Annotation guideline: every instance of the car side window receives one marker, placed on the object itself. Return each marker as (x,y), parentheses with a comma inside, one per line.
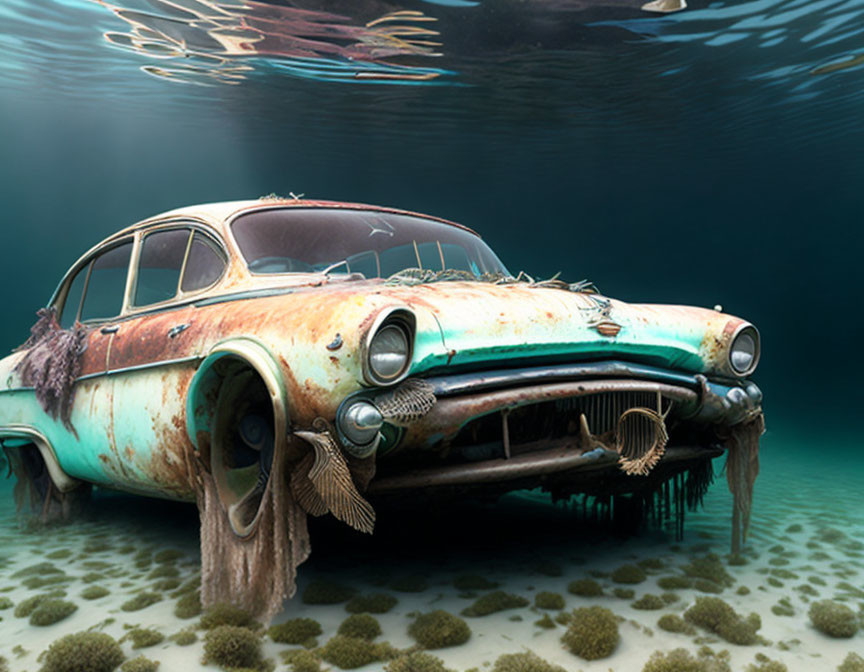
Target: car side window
(204,265)
(103,297)
(73,298)
(160,265)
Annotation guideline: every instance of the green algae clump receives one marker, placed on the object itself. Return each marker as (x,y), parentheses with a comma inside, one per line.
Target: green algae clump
(527,661)
(715,615)
(83,652)
(493,602)
(184,637)
(585,588)
(361,626)
(592,633)
(674,582)
(377,603)
(228,614)
(140,664)
(143,637)
(649,602)
(629,574)
(50,612)
(416,661)
(546,600)
(325,592)
(348,653)
(833,619)
(5,603)
(232,646)
(295,631)
(681,660)
(851,663)
(188,606)
(676,624)
(141,601)
(709,567)
(301,660)
(94,592)
(439,629)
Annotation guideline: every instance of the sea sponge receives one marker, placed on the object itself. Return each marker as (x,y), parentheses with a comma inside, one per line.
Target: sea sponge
(301,660)
(718,617)
(585,588)
(547,600)
(228,614)
(232,646)
(50,612)
(493,602)
(83,652)
(439,629)
(295,631)
(361,626)
(348,653)
(649,602)
(416,661)
(676,624)
(592,634)
(681,660)
(833,619)
(140,664)
(141,601)
(468,582)
(143,637)
(852,663)
(412,583)
(377,603)
(325,592)
(527,661)
(629,574)
(94,592)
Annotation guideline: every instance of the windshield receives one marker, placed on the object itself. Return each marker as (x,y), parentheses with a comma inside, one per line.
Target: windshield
(372,243)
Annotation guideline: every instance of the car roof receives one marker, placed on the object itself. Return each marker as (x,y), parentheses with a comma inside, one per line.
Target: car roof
(219,214)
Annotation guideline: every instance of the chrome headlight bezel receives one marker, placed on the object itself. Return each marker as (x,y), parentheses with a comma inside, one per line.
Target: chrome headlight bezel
(744,334)
(402,321)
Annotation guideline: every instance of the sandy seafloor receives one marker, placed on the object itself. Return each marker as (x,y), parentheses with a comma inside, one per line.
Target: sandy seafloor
(808,520)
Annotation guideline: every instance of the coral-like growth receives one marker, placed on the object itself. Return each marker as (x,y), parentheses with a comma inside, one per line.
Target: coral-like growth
(468,582)
(592,634)
(324,592)
(188,606)
(140,664)
(439,629)
(852,663)
(416,661)
(295,631)
(141,601)
(348,653)
(493,602)
(585,588)
(361,626)
(232,646)
(718,617)
(649,602)
(185,637)
(629,574)
(680,660)
(94,592)
(50,612)
(709,567)
(83,652)
(674,582)
(546,622)
(833,619)
(676,624)
(765,664)
(141,638)
(527,661)
(377,603)
(226,614)
(546,600)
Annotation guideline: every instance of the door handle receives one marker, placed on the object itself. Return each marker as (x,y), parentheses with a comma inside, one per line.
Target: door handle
(110,329)
(174,332)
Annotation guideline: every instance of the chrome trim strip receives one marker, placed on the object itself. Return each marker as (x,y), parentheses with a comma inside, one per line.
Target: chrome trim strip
(140,367)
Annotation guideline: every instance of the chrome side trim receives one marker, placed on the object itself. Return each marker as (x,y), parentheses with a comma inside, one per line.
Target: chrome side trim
(139,367)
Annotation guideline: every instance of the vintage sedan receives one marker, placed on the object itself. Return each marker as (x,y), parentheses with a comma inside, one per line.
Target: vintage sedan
(281,358)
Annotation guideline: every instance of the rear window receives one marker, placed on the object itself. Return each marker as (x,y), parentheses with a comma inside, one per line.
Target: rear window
(373,243)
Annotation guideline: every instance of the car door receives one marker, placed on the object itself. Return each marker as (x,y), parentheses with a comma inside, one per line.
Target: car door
(155,352)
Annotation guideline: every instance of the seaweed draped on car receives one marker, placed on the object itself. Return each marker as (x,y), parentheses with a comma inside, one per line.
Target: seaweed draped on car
(276,359)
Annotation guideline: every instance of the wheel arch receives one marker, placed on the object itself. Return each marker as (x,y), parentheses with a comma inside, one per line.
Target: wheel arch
(23,435)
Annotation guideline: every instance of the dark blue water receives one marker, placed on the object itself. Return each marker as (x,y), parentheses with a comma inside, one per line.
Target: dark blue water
(712,156)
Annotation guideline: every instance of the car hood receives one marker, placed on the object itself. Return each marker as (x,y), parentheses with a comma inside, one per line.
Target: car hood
(482,325)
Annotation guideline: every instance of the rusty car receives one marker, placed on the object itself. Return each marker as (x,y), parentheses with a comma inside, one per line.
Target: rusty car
(281,358)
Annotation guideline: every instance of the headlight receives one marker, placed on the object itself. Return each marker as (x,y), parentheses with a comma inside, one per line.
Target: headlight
(744,353)
(389,353)
(359,422)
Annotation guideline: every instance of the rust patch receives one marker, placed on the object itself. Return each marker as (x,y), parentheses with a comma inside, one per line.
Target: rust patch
(335,361)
